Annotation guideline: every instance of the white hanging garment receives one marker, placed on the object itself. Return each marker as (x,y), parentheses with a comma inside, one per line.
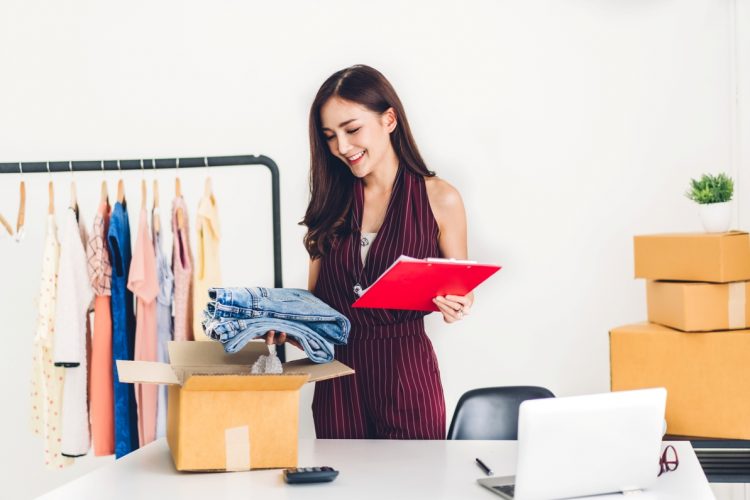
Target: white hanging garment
(72,334)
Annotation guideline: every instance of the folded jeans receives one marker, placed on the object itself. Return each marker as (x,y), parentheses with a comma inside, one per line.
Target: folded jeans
(234,316)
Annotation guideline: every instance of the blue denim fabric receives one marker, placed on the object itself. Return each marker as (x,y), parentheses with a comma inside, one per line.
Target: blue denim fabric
(234,316)
(123,331)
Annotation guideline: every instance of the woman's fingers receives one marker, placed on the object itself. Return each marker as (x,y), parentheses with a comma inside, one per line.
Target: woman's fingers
(283,337)
(279,338)
(465,302)
(453,307)
(450,313)
(453,304)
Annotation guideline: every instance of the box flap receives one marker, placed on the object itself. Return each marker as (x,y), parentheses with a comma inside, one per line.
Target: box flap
(199,353)
(185,372)
(149,372)
(245,382)
(651,328)
(317,371)
(728,234)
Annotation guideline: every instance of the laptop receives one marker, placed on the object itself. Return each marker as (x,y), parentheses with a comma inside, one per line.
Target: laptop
(585,445)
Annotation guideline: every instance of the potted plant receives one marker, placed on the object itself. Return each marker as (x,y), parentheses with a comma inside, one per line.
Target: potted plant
(713,195)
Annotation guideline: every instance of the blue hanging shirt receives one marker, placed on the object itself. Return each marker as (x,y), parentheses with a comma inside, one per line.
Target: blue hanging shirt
(123,330)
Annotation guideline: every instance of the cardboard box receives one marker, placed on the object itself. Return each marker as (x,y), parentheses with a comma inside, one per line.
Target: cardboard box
(713,257)
(699,307)
(707,376)
(220,416)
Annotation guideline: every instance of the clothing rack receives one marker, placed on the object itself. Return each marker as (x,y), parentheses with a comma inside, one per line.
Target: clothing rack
(173,163)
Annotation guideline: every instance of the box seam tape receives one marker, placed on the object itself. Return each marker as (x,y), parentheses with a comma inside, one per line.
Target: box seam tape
(736,305)
(237,448)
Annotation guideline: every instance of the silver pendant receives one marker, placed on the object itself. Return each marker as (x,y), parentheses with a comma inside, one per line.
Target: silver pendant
(358,290)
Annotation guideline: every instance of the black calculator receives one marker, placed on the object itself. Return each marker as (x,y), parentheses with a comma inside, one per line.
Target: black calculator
(301,475)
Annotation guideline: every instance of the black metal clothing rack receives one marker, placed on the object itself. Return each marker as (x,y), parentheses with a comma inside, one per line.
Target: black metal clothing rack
(173,163)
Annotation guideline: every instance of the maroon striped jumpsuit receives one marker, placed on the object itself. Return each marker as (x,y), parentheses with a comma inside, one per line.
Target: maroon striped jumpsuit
(396,392)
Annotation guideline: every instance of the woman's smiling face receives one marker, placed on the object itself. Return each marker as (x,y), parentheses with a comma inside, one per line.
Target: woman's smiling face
(356,135)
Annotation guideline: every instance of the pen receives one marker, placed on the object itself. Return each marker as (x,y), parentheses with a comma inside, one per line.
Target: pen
(483,467)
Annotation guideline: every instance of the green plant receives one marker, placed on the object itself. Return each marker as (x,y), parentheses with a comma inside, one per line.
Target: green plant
(711,189)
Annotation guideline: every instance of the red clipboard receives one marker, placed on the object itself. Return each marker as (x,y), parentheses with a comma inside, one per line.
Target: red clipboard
(411,283)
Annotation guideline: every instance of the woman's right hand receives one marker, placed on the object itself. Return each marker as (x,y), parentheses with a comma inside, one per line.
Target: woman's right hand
(278,338)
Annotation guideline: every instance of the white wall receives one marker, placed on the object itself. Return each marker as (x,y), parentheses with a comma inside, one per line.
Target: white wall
(567,126)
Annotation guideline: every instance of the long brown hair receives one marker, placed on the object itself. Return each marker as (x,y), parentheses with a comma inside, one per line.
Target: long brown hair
(331,181)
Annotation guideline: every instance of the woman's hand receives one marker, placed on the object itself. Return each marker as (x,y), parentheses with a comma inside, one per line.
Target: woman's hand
(278,338)
(454,307)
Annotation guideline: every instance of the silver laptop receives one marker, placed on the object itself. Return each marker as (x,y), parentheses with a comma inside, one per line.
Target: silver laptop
(585,445)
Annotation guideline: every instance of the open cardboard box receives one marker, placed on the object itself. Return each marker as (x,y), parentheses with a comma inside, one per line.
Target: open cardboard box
(219,415)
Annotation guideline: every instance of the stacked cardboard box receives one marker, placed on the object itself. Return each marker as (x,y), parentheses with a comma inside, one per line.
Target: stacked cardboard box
(697,341)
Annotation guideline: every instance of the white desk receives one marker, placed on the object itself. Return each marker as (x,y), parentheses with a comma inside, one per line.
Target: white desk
(368,469)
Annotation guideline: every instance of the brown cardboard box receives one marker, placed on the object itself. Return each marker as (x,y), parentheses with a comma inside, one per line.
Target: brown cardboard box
(699,307)
(707,376)
(714,257)
(219,416)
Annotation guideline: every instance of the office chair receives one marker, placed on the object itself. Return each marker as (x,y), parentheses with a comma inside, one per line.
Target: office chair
(492,412)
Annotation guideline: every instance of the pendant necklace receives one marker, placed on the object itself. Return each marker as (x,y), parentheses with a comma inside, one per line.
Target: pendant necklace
(363,242)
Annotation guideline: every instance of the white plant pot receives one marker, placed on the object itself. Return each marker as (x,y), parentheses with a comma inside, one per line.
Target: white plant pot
(716,217)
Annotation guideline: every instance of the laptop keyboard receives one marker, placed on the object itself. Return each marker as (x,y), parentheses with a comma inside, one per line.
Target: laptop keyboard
(508,489)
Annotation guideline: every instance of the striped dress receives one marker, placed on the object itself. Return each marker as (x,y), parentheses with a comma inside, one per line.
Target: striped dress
(396,392)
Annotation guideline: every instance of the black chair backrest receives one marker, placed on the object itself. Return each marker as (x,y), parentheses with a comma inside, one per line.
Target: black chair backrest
(492,412)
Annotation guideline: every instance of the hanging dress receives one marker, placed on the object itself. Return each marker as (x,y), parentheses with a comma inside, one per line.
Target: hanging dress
(396,392)
(182,270)
(163,323)
(143,283)
(102,397)
(47,379)
(123,330)
(72,334)
(207,268)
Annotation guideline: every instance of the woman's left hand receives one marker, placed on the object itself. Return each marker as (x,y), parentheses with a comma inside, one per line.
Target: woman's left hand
(454,307)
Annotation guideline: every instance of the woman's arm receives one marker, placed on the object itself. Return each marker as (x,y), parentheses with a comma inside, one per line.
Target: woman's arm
(312,276)
(450,215)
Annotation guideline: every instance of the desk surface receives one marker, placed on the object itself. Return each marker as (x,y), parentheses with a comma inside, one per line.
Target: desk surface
(368,469)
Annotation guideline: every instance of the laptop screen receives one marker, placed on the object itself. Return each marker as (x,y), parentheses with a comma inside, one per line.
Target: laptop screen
(588,445)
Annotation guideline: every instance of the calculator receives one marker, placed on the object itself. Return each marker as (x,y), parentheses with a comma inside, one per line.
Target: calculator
(302,475)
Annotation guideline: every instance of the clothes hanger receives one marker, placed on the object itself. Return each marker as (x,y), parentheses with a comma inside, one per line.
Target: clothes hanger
(21,219)
(143,187)
(73,192)
(178,194)
(104,198)
(155,218)
(6,225)
(51,190)
(177,185)
(4,222)
(208,190)
(120,186)
(18,235)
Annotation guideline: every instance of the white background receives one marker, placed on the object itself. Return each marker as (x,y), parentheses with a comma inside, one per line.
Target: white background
(568,127)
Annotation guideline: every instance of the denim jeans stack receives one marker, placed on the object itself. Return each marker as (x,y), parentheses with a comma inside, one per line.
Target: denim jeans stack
(235,316)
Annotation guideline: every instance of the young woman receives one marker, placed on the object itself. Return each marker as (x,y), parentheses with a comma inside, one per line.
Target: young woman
(372,200)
